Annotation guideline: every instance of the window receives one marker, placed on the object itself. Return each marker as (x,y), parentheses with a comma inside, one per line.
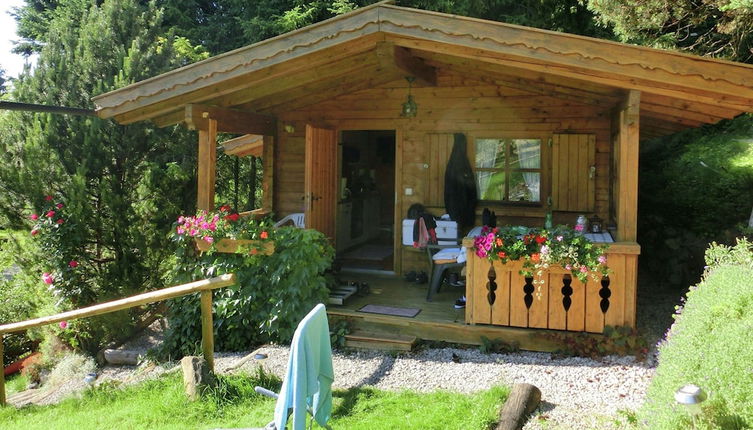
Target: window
(508,170)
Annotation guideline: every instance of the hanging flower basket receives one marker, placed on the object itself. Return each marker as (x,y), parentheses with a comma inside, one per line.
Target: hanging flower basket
(227,232)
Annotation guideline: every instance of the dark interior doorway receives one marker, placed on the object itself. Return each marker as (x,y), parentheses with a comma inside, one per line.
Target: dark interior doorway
(366,205)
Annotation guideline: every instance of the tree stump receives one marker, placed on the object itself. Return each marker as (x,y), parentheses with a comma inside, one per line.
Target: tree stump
(196,376)
(523,399)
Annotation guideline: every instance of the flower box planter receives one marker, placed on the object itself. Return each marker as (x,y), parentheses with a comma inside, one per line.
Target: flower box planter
(232,246)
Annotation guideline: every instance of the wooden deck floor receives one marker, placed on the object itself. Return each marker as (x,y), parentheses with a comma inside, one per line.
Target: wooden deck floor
(437,321)
(392,290)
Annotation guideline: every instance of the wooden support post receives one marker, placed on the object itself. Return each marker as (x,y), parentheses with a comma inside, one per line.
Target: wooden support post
(2,372)
(268,178)
(207,166)
(207,329)
(626,152)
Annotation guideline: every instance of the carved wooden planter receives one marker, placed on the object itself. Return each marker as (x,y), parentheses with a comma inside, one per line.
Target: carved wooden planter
(498,294)
(232,246)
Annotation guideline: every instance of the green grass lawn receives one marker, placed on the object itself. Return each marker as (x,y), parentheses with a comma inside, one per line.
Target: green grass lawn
(161,404)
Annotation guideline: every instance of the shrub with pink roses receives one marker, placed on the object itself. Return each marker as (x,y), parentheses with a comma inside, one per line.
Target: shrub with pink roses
(539,248)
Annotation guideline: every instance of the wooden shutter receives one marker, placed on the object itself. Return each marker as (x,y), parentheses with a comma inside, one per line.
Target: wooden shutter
(573,172)
(439,150)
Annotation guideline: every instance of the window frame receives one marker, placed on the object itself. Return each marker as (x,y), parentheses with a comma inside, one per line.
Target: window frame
(543,170)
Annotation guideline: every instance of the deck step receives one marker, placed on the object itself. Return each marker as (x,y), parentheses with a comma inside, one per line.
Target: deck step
(380,341)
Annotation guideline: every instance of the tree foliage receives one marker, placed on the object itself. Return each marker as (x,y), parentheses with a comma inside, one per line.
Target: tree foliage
(121,186)
(717,28)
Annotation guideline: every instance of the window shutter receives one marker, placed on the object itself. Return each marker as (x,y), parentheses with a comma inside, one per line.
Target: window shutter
(573,172)
(439,150)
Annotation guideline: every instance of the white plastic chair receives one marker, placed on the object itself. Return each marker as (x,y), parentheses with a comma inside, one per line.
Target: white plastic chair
(297,218)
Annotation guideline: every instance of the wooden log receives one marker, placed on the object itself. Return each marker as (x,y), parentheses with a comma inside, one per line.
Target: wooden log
(126,303)
(523,399)
(2,374)
(207,329)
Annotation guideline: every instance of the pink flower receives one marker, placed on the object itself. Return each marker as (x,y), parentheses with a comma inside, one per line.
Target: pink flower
(34,232)
(34,217)
(181,230)
(583,269)
(578,227)
(47,278)
(48,198)
(193,232)
(50,214)
(181,219)
(213,226)
(559,238)
(73,263)
(208,239)
(544,249)
(205,225)
(602,259)
(568,267)
(63,324)
(59,206)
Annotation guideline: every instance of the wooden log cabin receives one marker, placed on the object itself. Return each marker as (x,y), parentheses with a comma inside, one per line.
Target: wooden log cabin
(323,106)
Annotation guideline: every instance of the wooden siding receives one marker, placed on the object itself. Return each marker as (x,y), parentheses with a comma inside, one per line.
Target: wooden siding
(457,104)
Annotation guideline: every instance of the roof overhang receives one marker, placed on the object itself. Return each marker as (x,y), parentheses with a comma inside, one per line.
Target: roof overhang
(382,43)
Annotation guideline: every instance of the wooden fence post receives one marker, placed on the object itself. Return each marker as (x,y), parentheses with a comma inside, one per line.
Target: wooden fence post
(207,329)
(2,372)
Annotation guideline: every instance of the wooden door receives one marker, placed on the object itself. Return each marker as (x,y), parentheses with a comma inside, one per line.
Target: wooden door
(573,172)
(321,179)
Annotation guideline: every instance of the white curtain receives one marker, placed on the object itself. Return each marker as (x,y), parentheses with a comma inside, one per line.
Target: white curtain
(486,156)
(529,156)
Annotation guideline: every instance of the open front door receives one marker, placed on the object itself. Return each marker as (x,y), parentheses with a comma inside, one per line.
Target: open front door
(321,179)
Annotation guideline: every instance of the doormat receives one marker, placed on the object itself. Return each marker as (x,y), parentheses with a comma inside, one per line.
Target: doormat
(389,310)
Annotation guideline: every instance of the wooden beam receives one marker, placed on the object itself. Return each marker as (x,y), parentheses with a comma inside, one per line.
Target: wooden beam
(248,144)
(628,126)
(229,120)
(207,166)
(396,56)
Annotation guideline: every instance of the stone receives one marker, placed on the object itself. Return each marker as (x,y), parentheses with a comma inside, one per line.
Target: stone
(196,376)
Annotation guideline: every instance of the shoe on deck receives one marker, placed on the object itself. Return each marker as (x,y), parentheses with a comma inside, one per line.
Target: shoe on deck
(460,303)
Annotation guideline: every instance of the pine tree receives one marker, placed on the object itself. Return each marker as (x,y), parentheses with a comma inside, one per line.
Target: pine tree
(120,187)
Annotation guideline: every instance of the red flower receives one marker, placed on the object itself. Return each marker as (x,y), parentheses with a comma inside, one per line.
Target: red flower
(73,263)
(59,206)
(34,217)
(535,257)
(50,214)
(232,217)
(34,232)
(540,239)
(225,208)
(254,252)
(495,230)
(60,221)
(501,254)
(500,242)
(48,198)
(264,235)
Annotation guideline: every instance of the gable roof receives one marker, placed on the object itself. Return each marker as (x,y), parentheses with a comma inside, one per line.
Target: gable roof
(355,51)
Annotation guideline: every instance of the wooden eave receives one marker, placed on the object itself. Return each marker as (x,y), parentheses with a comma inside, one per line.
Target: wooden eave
(383,43)
(243,146)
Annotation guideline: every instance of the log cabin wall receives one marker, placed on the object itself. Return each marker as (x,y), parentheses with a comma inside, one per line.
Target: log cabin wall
(456,104)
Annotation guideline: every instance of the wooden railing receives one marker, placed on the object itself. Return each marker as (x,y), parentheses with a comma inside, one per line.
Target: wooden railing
(207,334)
(498,294)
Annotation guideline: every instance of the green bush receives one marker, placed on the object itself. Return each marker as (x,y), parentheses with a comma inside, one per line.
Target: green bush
(709,345)
(22,296)
(272,294)
(695,187)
